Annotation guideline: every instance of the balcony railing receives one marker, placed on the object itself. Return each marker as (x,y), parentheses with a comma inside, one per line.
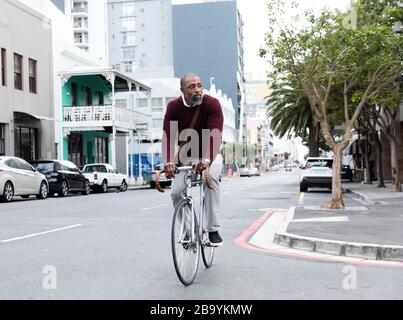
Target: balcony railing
(102,116)
(79,9)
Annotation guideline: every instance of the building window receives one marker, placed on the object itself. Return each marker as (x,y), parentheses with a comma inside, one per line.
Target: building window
(26,143)
(81,38)
(3,67)
(32,75)
(75,148)
(156,104)
(128,67)
(143,103)
(128,9)
(129,38)
(81,23)
(17,71)
(100,98)
(2,139)
(88,96)
(129,53)
(128,23)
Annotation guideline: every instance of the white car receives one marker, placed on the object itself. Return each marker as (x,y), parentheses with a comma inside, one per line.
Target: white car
(103,176)
(317,172)
(19,178)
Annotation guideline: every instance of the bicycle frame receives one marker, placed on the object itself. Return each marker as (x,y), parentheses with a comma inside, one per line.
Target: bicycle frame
(187,194)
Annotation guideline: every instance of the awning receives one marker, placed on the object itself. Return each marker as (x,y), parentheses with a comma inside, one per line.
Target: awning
(21,115)
(40,117)
(122,83)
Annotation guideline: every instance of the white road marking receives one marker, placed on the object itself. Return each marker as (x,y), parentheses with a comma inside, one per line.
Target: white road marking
(40,233)
(301,198)
(325,219)
(156,207)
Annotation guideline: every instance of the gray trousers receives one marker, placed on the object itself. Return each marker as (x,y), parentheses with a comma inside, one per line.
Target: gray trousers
(212,197)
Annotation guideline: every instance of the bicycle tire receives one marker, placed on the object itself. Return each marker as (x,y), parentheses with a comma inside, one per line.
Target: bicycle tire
(185,256)
(206,249)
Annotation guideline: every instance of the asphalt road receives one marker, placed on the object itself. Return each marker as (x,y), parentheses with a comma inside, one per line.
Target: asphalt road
(117,246)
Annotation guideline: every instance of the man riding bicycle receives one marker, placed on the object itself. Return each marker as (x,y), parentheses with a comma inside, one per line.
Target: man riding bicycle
(197,120)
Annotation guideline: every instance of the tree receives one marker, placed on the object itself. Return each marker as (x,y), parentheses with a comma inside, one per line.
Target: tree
(290,115)
(327,58)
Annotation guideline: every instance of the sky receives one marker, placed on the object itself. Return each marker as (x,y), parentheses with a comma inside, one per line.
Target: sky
(254,14)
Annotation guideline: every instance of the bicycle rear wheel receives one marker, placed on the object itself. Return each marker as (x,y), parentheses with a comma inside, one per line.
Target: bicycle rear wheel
(206,249)
(185,243)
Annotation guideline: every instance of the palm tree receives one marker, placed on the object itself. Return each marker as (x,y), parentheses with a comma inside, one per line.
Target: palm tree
(290,115)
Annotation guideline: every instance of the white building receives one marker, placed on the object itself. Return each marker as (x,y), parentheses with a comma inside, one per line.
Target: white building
(89,21)
(258,126)
(26,88)
(140,37)
(91,114)
(229,130)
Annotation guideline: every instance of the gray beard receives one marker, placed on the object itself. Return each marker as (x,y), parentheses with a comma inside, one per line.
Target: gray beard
(196,100)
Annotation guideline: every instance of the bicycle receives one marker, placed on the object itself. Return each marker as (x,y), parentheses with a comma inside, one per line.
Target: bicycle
(188,237)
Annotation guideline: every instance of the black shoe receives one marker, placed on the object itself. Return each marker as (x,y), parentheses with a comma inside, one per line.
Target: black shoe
(215,239)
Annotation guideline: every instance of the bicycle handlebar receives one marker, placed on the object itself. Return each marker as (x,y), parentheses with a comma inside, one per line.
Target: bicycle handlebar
(182,169)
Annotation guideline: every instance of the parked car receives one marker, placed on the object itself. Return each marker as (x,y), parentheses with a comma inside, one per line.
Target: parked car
(63,177)
(317,172)
(275,168)
(164,181)
(19,178)
(254,172)
(346,173)
(288,167)
(244,172)
(103,176)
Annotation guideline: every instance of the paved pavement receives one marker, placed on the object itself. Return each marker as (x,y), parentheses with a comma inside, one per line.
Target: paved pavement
(371,231)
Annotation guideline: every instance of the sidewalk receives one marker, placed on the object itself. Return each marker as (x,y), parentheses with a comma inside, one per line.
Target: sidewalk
(370,230)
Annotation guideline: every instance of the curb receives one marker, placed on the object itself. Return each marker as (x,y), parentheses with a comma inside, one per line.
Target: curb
(340,248)
(362,196)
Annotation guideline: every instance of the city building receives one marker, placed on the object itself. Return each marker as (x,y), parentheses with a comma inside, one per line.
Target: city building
(140,37)
(89,21)
(257,123)
(90,125)
(95,128)
(208,41)
(26,88)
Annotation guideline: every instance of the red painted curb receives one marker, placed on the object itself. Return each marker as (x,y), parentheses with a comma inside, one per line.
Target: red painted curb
(243,241)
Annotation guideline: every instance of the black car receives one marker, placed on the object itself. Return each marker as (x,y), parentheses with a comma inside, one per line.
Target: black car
(63,177)
(346,173)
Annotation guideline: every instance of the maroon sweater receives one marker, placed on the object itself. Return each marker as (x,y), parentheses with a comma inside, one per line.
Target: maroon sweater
(179,117)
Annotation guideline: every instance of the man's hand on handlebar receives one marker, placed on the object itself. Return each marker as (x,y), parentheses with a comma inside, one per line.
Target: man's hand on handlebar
(169,169)
(200,166)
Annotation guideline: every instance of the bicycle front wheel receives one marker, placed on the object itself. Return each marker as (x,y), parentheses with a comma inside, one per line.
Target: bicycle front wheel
(185,243)
(206,249)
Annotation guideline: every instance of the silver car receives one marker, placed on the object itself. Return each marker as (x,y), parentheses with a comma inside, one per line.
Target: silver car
(19,178)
